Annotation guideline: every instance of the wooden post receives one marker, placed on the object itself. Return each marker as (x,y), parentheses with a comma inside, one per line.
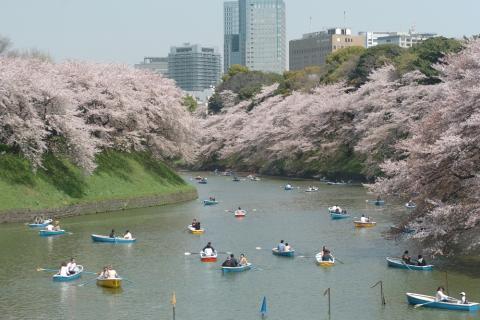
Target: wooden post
(329,302)
(174,303)
(382,296)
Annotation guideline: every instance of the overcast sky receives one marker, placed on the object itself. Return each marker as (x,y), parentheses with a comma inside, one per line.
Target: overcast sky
(127,30)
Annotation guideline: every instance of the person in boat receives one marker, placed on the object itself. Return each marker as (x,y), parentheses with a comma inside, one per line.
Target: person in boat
(230,262)
(344,211)
(57,226)
(440,295)
(363,219)
(49,227)
(112,274)
(72,266)
(127,235)
(378,199)
(287,247)
(463,298)
(63,270)
(421,261)
(104,272)
(406,257)
(243,260)
(112,233)
(281,246)
(208,249)
(326,254)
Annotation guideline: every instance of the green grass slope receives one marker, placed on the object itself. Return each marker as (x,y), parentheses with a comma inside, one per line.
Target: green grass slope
(60,183)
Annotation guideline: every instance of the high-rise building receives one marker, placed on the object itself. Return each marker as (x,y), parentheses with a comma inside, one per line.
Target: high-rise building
(313,48)
(194,67)
(262,39)
(155,64)
(402,39)
(231,41)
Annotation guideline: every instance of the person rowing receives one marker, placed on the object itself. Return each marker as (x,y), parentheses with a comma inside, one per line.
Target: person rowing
(196,224)
(441,296)
(109,273)
(49,227)
(57,226)
(364,219)
(421,261)
(230,262)
(326,254)
(72,266)
(281,246)
(127,235)
(208,249)
(112,234)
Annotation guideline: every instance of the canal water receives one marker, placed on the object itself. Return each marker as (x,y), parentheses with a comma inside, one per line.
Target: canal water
(156,266)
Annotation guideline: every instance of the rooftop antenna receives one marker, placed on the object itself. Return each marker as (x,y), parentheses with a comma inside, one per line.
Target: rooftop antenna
(345,19)
(310,30)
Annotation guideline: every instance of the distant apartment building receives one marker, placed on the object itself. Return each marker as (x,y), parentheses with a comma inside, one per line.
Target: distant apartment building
(262,34)
(155,64)
(231,41)
(194,67)
(402,39)
(313,48)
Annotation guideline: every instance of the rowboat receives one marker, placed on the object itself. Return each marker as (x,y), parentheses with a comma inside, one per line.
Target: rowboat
(209,202)
(290,253)
(429,301)
(236,179)
(377,202)
(240,213)
(198,178)
(113,283)
(327,263)
(288,187)
(360,224)
(48,233)
(77,275)
(399,263)
(410,205)
(100,238)
(208,258)
(237,269)
(40,225)
(313,189)
(195,231)
(203,181)
(336,216)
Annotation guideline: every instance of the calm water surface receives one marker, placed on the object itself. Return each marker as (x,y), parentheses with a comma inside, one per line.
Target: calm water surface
(157,265)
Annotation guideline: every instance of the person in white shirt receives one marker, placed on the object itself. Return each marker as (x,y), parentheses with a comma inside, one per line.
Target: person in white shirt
(208,249)
(363,219)
(112,274)
(463,298)
(72,266)
(63,270)
(441,296)
(287,247)
(49,227)
(127,235)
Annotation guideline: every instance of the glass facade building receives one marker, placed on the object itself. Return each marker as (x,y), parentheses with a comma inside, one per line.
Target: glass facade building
(262,35)
(194,67)
(231,41)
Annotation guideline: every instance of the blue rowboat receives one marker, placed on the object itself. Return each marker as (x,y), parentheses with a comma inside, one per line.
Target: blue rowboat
(99,238)
(40,225)
(336,216)
(376,202)
(59,278)
(290,253)
(429,302)
(209,202)
(203,181)
(48,233)
(399,263)
(410,205)
(246,267)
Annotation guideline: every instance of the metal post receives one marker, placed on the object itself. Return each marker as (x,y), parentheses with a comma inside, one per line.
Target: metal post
(173,312)
(382,296)
(329,302)
(446,281)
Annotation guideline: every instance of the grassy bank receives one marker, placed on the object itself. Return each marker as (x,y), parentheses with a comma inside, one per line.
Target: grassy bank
(60,184)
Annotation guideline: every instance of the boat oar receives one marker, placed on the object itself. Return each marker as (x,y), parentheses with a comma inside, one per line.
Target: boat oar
(47,269)
(336,259)
(190,253)
(87,282)
(422,304)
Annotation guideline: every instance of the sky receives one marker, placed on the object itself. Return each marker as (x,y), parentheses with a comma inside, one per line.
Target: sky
(125,31)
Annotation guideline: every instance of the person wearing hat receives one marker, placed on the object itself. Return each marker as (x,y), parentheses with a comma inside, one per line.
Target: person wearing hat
(463,298)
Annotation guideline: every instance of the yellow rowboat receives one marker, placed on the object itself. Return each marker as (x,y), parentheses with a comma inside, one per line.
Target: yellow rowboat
(322,263)
(109,282)
(195,231)
(360,224)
